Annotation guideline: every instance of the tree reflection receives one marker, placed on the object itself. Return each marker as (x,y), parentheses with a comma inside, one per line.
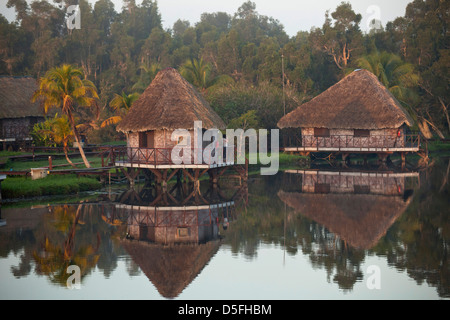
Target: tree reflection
(419,241)
(416,241)
(53,259)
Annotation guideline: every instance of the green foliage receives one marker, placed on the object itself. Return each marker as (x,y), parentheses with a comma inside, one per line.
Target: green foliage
(40,136)
(122,52)
(248,120)
(263,102)
(120,104)
(50,185)
(398,76)
(53,132)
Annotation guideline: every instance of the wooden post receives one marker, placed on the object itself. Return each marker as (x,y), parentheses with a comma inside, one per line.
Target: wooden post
(346,158)
(403,156)
(50,163)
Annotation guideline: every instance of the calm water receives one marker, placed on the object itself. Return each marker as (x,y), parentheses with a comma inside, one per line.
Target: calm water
(322,234)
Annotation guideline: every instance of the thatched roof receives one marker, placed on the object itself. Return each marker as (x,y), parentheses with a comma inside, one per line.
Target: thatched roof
(171,268)
(15,98)
(359,101)
(359,219)
(170,102)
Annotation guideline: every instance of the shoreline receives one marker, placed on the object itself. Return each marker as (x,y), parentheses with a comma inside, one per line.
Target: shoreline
(15,189)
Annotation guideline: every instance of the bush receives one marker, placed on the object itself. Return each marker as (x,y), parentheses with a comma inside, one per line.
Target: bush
(51,185)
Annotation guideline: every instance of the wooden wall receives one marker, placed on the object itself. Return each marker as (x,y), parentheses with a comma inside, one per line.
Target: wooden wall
(336,183)
(344,138)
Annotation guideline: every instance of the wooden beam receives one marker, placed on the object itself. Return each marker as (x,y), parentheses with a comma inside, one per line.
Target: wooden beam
(188,175)
(157,173)
(172,198)
(172,174)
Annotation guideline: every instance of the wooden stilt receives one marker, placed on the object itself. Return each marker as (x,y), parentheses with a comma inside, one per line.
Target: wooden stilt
(131,174)
(403,157)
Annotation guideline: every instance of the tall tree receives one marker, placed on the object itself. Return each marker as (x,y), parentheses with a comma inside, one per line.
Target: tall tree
(343,37)
(64,87)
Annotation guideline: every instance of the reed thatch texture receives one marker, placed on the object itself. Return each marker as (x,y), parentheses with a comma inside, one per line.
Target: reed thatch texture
(171,268)
(15,98)
(359,101)
(360,220)
(170,102)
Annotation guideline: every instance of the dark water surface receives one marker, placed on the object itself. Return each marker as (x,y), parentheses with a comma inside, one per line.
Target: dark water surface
(316,234)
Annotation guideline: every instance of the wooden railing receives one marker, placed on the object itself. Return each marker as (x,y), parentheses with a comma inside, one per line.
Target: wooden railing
(163,156)
(409,141)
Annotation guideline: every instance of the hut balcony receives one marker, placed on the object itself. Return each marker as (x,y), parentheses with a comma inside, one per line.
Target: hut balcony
(351,143)
(162,158)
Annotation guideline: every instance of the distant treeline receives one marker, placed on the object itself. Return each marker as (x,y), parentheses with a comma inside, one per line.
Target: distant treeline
(236,61)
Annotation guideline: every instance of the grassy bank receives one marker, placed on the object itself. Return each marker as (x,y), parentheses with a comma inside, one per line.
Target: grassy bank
(27,165)
(22,187)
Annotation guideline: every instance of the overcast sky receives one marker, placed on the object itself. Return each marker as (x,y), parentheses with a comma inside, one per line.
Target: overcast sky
(294,15)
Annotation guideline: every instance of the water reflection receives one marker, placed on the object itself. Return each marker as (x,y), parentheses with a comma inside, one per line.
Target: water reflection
(336,220)
(172,237)
(48,239)
(357,207)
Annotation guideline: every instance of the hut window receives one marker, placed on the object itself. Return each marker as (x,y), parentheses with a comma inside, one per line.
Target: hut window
(361,133)
(323,188)
(361,189)
(183,232)
(321,132)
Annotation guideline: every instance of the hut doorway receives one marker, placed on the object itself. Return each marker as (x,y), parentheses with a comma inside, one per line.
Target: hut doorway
(147,139)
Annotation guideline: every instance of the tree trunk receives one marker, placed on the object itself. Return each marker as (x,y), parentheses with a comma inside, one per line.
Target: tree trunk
(67,157)
(77,139)
(444,107)
(80,147)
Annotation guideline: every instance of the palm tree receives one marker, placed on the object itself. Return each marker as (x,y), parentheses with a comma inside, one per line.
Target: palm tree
(395,74)
(121,104)
(401,79)
(196,72)
(59,131)
(199,73)
(63,87)
(146,77)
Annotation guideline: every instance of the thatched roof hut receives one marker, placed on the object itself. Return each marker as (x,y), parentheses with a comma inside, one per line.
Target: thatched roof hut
(171,268)
(359,101)
(17,113)
(359,219)
(15,98)
(170,103)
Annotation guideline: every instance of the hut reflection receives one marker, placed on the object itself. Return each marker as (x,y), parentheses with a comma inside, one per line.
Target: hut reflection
(358,207)
(172,238)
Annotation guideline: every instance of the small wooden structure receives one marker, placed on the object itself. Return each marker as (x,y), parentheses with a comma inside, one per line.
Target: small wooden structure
(17,114)
(358,207)
(356,115)
(170,103)
(171,240)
